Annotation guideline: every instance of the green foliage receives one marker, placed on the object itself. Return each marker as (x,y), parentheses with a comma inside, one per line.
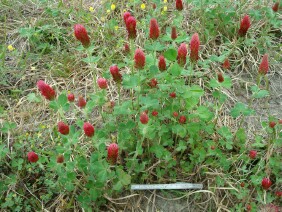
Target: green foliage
(206,144)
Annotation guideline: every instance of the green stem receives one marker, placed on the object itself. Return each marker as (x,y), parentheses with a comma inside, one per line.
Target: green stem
(89,54)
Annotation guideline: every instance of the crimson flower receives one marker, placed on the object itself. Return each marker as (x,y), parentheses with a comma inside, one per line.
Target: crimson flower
(144,118)
(102,83)
(179,4)
(226,64)
(46,90)
(154,113)
(63,128)
(154,29)
(126,48)
(272,124)
(117,77)
(175,114)
(139,59)
(162,63)
(244,26)
(172,94)
(126,15)
(153,83)
(181,54)
(263,68)
(81,102)
(71,97)
(182,120)
(81,35)
(220,77)
(173,33)
(266,183)
(60,159)
(253,154)
(275,7)
(131,27)
(88,129)
(194,47)
(112,153)
(32,157)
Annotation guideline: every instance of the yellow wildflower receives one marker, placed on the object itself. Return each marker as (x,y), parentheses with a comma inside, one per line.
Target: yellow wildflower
(143,6)
(91,9)
(108,11)
(11,48)
(113,7)
(165,1)
(165,8)
(116,27)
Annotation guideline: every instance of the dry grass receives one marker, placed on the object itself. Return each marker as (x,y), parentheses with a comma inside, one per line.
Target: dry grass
(25,69)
